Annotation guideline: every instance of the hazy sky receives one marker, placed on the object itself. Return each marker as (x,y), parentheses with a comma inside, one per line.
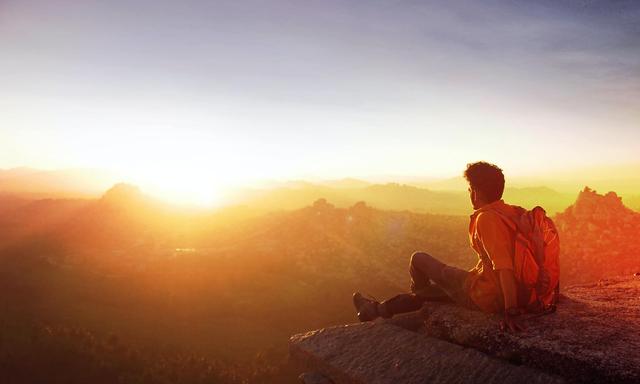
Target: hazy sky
(237,90)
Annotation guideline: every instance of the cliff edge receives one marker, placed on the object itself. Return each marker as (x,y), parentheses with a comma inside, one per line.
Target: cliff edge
(593,337)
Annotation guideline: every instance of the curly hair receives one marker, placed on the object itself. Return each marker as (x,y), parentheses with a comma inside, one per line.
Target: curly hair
(486,178)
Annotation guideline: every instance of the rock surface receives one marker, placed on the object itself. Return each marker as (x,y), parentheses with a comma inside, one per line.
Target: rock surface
(378,352)
(595,230)
(314,378)
(593,337)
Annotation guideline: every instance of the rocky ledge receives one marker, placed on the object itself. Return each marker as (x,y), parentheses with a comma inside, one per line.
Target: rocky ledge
(593,337)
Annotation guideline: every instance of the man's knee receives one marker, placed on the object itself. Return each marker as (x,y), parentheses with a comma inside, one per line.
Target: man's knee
(419,258)
(426,263)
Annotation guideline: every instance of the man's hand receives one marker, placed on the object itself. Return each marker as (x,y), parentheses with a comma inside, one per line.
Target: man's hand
(512,321)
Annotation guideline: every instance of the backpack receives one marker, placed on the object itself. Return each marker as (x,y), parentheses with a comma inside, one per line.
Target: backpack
(536,260)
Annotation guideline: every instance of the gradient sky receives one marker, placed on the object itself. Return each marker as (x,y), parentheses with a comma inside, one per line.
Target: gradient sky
(166,92)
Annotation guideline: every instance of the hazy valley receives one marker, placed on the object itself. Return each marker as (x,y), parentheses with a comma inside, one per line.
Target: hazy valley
(232,285)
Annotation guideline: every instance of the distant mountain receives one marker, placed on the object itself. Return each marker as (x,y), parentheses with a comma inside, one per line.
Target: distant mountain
(445,196)
(72,183)
(10,202)
(457,183)
(121,219)
(393,196)
(551,200)
(622,178)
(124,195)
(390,196)
(17,172)
(560,185)
(293,184)
(23,222)
(348,183)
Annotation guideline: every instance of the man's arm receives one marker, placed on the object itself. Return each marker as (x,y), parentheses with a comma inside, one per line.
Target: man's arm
(498,245)
(510,292)
(509,288)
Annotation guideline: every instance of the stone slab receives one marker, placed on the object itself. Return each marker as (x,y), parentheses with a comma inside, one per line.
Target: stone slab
(593,337)
(382,353)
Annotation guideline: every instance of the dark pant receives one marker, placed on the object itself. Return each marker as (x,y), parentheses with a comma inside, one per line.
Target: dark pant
(431,280)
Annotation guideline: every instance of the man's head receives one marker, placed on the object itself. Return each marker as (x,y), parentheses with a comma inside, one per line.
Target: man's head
(486,183)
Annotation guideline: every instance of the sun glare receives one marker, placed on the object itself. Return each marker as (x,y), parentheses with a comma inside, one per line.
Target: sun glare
(183,186)
(177,168)
(182,175)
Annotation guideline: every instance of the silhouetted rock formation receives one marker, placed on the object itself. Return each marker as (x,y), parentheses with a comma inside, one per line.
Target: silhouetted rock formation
(598,238)
(122,193)
(593,337)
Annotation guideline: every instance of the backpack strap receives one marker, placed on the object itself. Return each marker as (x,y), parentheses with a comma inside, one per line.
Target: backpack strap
(513,224)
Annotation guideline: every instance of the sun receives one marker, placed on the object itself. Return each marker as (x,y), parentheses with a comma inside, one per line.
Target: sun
(175,168)
(186,185)
(178,167)
(180,179)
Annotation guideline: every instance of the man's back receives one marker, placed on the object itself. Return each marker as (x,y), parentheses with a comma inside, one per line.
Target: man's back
(493,241)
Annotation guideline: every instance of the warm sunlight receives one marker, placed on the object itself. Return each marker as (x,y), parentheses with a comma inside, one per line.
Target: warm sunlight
(182,174)
(193,170)
(184,187)
(277,192)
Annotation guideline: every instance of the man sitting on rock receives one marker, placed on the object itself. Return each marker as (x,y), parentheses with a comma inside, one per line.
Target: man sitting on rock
(490,286)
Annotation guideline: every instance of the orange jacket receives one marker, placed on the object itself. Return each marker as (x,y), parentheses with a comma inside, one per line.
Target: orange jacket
(494,242)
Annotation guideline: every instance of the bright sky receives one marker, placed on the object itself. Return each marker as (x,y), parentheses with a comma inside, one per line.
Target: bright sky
(189,97)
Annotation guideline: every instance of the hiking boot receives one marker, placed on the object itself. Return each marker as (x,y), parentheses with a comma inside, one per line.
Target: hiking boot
(367,309)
